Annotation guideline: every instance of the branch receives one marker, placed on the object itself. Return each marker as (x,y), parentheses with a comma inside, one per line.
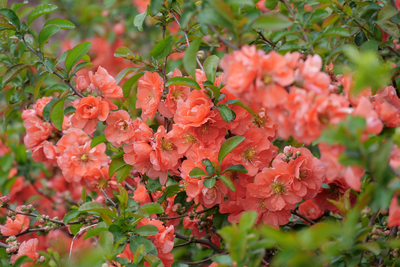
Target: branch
(54,72)
(129,187)
(112,202)
(370,223)
(298,25)
(187,39)
(2,245)
(393,50)
(205,260)
(301,216)
(222,39)
(265,39)
(31,215)
(208,243)
(186,214)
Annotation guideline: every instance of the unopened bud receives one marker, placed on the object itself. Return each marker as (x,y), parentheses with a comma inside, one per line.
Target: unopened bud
(375,237)
(4,200)
(201,54)
(387,232)
(14,249)
(29,207)
(42,259)
(176,207)
(8,250)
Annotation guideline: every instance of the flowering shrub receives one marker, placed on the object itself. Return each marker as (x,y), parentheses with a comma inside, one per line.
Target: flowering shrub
(239,133)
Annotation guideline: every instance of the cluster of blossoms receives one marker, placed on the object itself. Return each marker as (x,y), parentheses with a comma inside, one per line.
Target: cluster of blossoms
(290,97)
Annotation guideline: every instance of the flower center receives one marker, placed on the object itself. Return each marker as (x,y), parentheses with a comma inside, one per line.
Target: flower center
(85,158)
(177,94)
(122,125)
(268,79)
(323,118)
(166,145)
(261,204)
(278,188)
(249,153)
(259,121)
(204,129)
(303,174)
(190,139)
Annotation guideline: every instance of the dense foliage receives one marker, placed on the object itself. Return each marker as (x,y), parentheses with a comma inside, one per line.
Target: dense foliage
(208,133)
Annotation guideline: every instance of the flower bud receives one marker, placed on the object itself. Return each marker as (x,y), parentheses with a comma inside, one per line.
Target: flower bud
(201,54)
(4,200)
(8,250)
(14,249)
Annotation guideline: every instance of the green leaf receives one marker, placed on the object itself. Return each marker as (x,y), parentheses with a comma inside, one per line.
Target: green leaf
(115,165)
(387,12)
(153,185)
(70,216)
(226,113)
(371,246)
(184,82)
(210,169)
(189,59)
(371,45)
(390,28)
(146,230)
(123,52)
(39,11)
(247,220)
(11,17)
(62,23)
(216,91)
(109,3)
(153,208)
(83,194)
(272,22)
(330,20)
(98,140)
(12,72)
(223,10)
(47,109)
(37,88)
(14,7)
(211,16)
(94,232)
(318,14)
(123,73)
(96,207)
(69,110)
(155,6)
(106,242)
(210,67)
(228,146)
(76,54)
(236,168)
(196,172)
(337,31)
(139,19)
(82,65)
(379,159)
(163,48)
(136,241)
(227,181)
(122,173)
(209,183)
(57,114)
(21,260)
(127,87)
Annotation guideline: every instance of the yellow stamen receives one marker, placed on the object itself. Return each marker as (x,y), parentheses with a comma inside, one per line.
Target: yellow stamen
(166,145)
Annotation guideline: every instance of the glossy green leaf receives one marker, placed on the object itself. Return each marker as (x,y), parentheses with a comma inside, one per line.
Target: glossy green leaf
(94,232)
(11,17)
(76,54)
(70,216)
(189,59)
(12,72)
(123,73)
(57,114)
(21,260)
(37,88)
(272,22)
(390,28)
(39,11)
(228,146)
(226,113)
(115,165)
(210,67)
(122,173)
(211,16)
(387,12)
(136,241)
(209,183)
(318,14)
(62,23)
(108,3)
(337,31)
(139,19)
(183,81)
(47,109)
(123,52)
(163,48)
(196,172)
(98,140)
(153,208)
(14,7)
(236,168)
(247,220)
(47,32)
(146,230)
(370,246)
(228,182)
(106,242)
(96,207)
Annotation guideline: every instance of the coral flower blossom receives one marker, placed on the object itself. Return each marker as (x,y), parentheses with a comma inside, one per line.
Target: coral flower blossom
(105,83)
(195,111)
(14,227)
(310,210)
(150,87)
(119,129)
(37,131)
(88,111)
(28,248)
(394,212)
(40,104)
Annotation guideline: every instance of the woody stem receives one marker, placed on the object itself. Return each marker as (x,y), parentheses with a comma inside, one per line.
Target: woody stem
(112,202)
(301,216)
(206,242)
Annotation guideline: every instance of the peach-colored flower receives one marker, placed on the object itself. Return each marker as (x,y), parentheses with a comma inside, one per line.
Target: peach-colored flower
(78,160)
(37,131)
(195,111)
(71,136)
(311,76)
(40,104)
(310,210)
(137,154)
(105,83)
(46,152)
(366,110)
(394,212)
(88,111)
(120,128)
(14,227)
(28,248)
(150,87)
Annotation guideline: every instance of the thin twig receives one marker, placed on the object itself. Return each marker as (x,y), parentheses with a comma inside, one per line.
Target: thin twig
(205,260)
(129,187)
(186,214)
(298,25)
(206,242)
(370,223)
(301,216)
(187,39)
(222,39)
(54,72)
(265,39)
(112,202)
(393,50)
(2,245)
(31,215)
(183,244)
